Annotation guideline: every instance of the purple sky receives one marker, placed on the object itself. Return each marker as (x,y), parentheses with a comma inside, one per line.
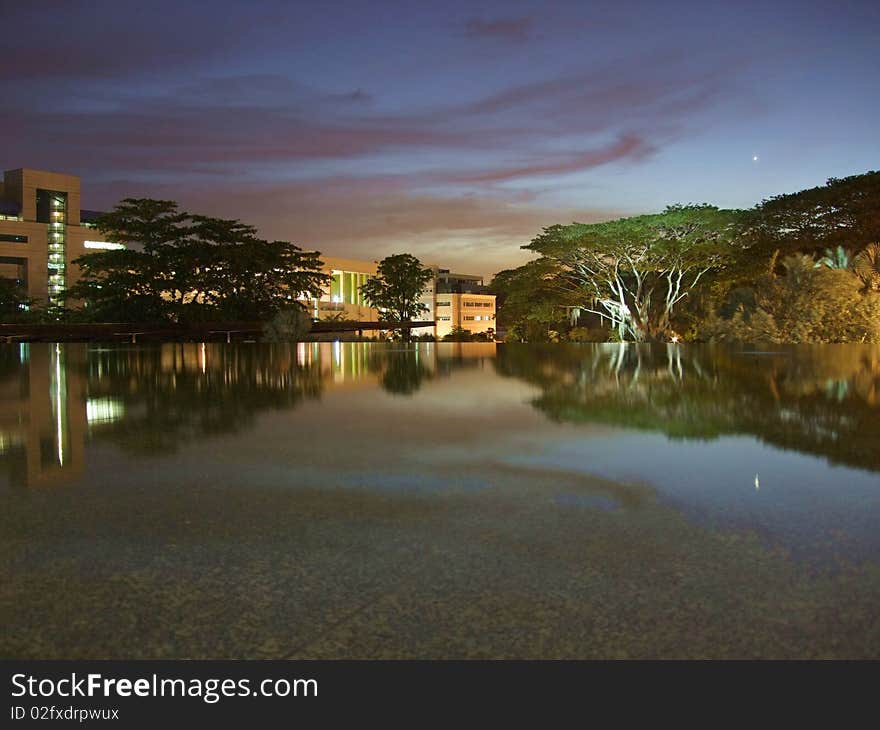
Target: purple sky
(451,130)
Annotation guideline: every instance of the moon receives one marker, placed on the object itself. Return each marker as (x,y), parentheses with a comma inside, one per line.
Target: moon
(755,158)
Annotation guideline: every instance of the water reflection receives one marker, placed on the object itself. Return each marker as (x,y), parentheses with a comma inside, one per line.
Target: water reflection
(42,414)
(155,400)
(818,400)
(474,501)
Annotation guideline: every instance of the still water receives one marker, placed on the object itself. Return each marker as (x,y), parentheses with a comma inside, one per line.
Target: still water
(439,500)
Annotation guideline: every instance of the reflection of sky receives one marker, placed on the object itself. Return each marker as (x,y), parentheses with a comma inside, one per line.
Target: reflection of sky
(467,431)
(801,501)
(458,433)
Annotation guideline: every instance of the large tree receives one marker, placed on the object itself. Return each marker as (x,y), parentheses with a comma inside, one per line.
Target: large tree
(530,305)
(183,267)
(844,212)
(636,271)
(14,301)
(397,288)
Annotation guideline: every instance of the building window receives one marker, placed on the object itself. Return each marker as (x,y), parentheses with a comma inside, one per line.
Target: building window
(444,304)
(52,209)
(469,318)
(9,238)
(104,245)
(444,319)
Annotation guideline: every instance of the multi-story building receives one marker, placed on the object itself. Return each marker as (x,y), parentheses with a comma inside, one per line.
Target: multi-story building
(343,298)
(451,300)
(461,300)
(42,231)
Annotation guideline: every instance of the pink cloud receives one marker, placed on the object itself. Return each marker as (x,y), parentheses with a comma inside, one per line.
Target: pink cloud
(628,147)
(511,29)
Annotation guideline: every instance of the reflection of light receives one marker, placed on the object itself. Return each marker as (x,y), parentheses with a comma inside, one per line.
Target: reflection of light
(104,410)
(10,440)
(58,405)
(202,358)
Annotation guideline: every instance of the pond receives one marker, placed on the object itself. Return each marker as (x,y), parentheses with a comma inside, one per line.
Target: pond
(360,500)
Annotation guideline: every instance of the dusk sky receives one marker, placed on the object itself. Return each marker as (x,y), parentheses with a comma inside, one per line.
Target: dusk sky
(451,130)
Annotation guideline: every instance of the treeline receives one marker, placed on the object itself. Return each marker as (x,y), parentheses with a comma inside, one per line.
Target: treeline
(801,267)
(181,267)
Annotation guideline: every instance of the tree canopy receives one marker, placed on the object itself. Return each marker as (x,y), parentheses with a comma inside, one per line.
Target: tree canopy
(635,271)
(844,212)
(14,301)
(397,288)
(184,267)
(530,306)
(809,302)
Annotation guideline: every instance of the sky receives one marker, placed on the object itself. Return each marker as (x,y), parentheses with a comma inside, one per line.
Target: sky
(454,131)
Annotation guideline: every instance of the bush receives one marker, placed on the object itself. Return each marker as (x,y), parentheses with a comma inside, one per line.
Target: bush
(808,304)
(288,325)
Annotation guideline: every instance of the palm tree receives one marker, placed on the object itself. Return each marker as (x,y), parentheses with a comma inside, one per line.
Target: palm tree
(866,265)
(835,258)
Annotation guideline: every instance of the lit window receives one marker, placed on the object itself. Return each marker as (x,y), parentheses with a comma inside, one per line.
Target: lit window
(104,245)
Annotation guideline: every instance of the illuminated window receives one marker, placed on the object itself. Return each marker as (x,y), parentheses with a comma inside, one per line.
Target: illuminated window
(104,245)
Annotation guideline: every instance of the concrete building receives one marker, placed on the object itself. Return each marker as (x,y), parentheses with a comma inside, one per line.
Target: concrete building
(452,300)
(343,298)
(462,300)
(42,230)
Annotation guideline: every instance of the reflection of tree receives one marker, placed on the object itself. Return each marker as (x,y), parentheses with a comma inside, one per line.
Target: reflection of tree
(401,370)
(820,400)
(176,393)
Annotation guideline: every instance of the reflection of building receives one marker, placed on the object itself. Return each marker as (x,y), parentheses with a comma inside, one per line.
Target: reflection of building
(354,365)
(56,398)
(42,231)
(42,414)
(452,300)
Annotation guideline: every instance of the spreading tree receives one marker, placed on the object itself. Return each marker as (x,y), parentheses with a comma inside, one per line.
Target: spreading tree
(397,288)
(14,301)
(636,271)
(183,267)
(845,212)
